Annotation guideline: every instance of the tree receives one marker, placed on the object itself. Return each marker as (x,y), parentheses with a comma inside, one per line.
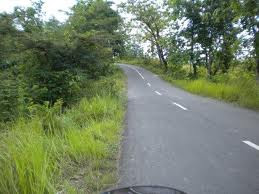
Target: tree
(224,17)
(30,19)
(210,28)
(188,11)
(153,20)
(92,30)
(248,14)
(9,40)
(44,59)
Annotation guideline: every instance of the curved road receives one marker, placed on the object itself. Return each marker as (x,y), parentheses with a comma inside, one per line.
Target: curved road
(192,143)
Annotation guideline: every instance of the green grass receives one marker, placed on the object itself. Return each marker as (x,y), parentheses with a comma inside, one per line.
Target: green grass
(243,95)
(239,88)
(70,152)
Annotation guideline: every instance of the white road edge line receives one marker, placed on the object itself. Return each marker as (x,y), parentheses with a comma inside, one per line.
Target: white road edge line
(140,74)
(137,72)
(252,144)
(182,107)
(158,93)
(149,84)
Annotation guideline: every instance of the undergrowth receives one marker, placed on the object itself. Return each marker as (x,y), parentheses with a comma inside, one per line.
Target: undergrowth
(65,151)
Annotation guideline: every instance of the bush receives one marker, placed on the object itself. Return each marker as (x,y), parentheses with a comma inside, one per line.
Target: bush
(43,153)
(9,99)
(177,71)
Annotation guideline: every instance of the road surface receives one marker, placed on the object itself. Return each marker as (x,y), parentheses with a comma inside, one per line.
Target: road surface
(192,143)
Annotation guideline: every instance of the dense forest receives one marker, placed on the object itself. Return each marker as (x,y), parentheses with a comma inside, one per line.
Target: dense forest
(62,97)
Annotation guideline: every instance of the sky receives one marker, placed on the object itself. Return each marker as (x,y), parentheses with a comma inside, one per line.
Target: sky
(51,7)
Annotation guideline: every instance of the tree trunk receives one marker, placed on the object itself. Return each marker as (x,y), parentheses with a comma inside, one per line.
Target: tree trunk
(209,64)
(256,42)
(160,50)
(257,67)
(153,53)
(192,61)
(206,58)
(208,61)
(161,56)
(164,62)
(194,70)
(192,49)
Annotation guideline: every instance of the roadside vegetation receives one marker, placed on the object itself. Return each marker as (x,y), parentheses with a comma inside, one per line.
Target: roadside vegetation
(237,86)
(62,100)
(68,151)
(207,47)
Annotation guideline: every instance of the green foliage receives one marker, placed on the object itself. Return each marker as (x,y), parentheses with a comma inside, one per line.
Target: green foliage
(95,24)
(43,60)
(238,86)
(8,96)
(61,100)
(211,34)
(153,20)
(210,46)
(53,150)
(242,91)
(211,31)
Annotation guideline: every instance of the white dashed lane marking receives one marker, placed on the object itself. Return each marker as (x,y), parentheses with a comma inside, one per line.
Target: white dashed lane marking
(158,93)
(180,106)
(140,74)
(137,72)
(251,144)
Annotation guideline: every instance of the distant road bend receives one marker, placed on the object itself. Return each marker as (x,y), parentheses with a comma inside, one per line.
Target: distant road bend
(195,144)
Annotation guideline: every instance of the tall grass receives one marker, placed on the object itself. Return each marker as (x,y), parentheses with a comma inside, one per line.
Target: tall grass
(244,95)
(71,151)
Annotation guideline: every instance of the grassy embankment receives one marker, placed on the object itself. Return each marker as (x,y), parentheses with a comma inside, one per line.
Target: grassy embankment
(69,151)
(238,87)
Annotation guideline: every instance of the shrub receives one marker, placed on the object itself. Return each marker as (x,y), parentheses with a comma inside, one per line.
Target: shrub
(44,152)
(9,98)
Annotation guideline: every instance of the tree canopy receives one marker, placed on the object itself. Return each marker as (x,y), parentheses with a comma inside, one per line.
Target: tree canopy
(213,34)
(42,60)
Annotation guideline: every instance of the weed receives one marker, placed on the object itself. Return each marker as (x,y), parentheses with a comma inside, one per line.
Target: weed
(48,151)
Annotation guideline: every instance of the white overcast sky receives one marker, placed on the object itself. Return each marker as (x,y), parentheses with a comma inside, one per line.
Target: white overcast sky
(51,7)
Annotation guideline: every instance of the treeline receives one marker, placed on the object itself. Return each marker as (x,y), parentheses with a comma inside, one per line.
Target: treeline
(218,35)
(44,61)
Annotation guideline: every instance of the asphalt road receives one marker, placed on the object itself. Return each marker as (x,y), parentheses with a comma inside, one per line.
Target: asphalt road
(192,143)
